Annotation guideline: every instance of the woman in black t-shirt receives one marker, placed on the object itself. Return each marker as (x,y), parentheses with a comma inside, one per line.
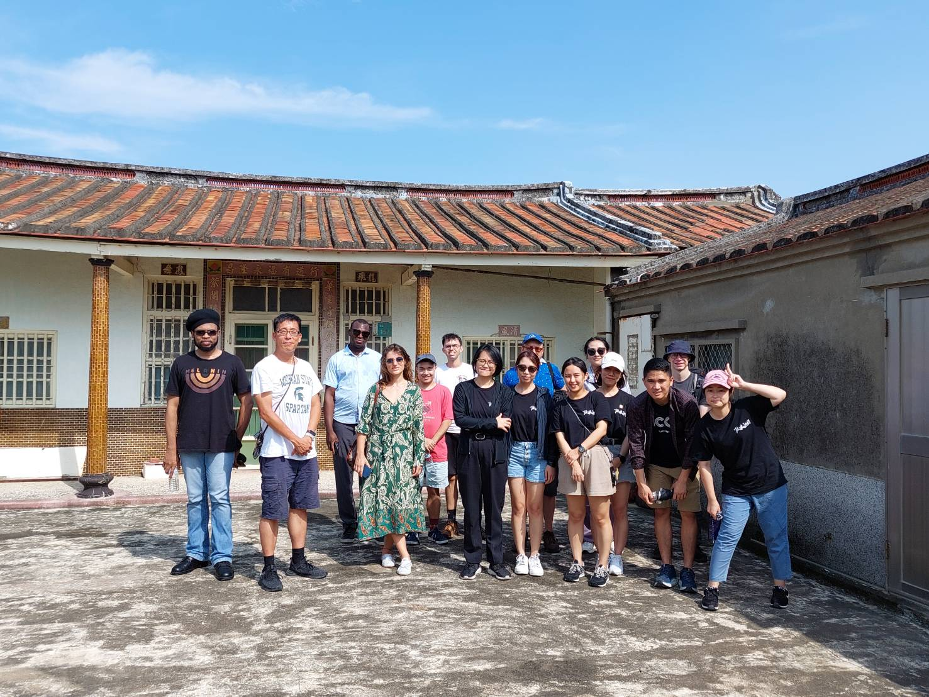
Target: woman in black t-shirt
(734,432)
(584,468)
(612,380)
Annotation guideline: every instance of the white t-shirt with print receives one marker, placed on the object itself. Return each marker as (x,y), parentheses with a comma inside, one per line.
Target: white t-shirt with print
(297,385)
(450,378)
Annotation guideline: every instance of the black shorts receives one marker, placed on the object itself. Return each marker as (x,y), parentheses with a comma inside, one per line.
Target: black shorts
(286,484)
(451,441)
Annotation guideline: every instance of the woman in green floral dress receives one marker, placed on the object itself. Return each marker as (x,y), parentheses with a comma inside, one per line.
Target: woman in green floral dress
(391,442)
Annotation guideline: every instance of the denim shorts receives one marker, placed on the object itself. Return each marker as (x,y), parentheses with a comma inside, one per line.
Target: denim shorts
(435,474)
(525,462)
(288,483)
(625,470)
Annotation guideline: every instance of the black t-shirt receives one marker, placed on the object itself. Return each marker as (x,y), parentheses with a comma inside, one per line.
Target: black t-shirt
(525,428)
(618,404)
(207,389)
(662,452)
(588,410)
(742,445)
(484,399)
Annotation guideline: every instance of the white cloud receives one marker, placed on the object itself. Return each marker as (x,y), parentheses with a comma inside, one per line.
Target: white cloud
(129,85)
(521,125)
(59,142)
(817,31)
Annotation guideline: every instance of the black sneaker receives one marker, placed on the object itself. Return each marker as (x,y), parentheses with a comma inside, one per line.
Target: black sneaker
(349,535)
(269,580)
(599,577)
(779,597)
(500,572)
(688,582)
(710,600)
(469,572)
(306,569)
(550,542)
(575,573)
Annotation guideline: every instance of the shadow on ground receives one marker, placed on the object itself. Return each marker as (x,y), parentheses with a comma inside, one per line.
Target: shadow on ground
(91,587)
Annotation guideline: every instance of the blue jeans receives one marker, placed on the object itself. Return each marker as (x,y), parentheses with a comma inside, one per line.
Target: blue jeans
(526,463)
(207,476)
(772,517)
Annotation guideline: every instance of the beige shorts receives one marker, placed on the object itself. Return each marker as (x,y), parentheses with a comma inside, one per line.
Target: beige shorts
(663,478)
(595,464)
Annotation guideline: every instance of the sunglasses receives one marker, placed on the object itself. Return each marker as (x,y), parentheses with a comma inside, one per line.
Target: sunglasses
(537,349)
(527,369)
(596,352)
(394,361)
(206,332)
(359,332)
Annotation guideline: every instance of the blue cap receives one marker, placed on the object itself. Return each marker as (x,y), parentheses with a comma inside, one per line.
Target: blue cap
(533,337)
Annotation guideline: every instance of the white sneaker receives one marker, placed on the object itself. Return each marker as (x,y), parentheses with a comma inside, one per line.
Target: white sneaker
(615,565)
(406,566)
(588,547)
(522,565)
(387,561)
(535,565)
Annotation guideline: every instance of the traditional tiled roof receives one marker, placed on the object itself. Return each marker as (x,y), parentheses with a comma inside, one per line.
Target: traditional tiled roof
(101,201)
(889,194)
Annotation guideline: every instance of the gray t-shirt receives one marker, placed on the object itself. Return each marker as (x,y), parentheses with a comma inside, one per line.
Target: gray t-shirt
(690,387)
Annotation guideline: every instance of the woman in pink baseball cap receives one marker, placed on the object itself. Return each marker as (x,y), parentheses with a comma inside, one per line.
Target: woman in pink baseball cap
(734,432)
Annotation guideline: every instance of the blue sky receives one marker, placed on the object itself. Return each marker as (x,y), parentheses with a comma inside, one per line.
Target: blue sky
(797,95)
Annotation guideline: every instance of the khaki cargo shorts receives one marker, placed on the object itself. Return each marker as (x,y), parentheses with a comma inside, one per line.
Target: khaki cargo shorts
(595,464)
(663,478)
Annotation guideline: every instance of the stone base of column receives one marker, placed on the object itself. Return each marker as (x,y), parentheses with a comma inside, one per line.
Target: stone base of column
(95,486)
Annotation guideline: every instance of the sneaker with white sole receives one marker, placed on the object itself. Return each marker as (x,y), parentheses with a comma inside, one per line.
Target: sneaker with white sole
(575,572)
(599,577)
(522,565)
(615,565)
(387,561)
(588,547)
(535,566)
(406,567)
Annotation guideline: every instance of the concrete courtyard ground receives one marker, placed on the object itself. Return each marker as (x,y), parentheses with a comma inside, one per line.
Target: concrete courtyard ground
(87,607)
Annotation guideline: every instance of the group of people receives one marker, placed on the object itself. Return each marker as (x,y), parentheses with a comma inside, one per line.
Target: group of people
(472,430)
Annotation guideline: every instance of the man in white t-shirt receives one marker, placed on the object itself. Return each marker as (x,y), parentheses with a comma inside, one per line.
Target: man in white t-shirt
(286,390)
(450,375)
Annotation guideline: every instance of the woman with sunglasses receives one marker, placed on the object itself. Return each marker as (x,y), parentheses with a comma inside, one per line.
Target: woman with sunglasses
(584,468)
(482,407)
(392,445)
(595,348)
(528,468)
(612,380)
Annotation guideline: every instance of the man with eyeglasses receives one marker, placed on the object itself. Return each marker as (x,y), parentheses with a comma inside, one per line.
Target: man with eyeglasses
(454,372)
(550,378)
(349,375)
(204,436)
(286,391)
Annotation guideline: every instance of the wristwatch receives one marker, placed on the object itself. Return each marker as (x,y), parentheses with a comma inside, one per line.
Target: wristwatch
(581,450)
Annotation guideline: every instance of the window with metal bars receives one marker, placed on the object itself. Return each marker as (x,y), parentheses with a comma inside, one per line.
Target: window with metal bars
(508,346)
(711,353)
(167,304)
(372,303)
(27,368)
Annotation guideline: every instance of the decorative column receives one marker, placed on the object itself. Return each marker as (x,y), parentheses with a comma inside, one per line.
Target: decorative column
(96,478)
(423,310)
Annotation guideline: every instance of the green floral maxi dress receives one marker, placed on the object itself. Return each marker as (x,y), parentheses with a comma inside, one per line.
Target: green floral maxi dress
(391,500)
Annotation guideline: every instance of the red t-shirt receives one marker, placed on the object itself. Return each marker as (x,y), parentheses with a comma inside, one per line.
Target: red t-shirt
(437,407)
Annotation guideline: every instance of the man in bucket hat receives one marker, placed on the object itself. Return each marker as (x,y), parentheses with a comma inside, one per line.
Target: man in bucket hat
(204,436)
(680,355)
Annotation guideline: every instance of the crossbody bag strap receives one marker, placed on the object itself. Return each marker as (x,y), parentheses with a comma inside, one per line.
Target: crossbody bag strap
(276,406)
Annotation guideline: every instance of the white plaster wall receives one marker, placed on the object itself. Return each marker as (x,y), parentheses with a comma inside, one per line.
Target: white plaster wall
(473,304)
(44,290)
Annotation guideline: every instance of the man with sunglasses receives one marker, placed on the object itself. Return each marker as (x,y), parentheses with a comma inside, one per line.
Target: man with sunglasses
(549,377)
(204,436)
(349,375)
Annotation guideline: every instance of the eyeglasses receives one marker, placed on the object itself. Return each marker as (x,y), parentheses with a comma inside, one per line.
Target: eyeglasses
(392,361)
(288,332)
(206,332)
(485,362)
(527,369)
(359,332)
(596,351)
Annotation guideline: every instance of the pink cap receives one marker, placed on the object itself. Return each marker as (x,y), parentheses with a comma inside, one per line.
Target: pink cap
(716,377)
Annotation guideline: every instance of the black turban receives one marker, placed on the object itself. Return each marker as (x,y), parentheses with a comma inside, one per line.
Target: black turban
(204,316)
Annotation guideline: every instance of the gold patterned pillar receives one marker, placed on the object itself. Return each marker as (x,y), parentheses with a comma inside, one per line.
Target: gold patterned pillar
(423,310)
(96,478)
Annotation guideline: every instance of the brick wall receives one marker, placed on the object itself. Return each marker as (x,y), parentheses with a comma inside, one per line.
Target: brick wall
(135,434)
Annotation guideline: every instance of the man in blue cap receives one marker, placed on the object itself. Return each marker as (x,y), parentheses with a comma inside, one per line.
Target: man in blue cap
(550,378)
